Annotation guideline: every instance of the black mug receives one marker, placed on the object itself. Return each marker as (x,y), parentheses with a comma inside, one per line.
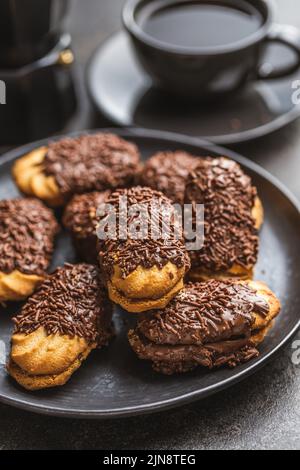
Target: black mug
(29,29)
(209,71)
(40,97)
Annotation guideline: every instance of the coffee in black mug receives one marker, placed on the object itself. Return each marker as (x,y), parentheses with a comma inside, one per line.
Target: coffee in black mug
(201,48)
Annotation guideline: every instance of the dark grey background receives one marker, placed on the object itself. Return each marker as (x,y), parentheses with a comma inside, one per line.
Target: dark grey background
(261,413)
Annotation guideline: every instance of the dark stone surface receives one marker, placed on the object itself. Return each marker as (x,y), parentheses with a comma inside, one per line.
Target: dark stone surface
(260,413)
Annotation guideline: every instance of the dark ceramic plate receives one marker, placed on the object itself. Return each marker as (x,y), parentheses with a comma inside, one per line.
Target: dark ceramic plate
(113,382)
(123,93)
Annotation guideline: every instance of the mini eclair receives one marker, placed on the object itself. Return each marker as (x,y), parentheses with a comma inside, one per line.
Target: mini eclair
(27,233)
(58,327)
(168,172)
(147,272)
(77,165)
(209,324)
(233,214)
(80,219)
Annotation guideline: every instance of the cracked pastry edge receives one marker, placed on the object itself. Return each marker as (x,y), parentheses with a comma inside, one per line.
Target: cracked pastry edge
(17,286)
(28,173)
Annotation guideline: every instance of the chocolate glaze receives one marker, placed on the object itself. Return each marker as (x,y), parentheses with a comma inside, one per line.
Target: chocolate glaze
(73,302)
(228,197)
(148,252)
(167,172)
(206,324)
(91,162)
(27,231)
(205,312)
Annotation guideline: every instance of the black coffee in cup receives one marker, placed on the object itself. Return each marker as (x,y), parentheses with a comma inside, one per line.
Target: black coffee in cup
(199,23)
(207,48)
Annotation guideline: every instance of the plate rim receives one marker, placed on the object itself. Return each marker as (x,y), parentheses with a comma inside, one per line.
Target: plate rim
(235,138)
(185,398)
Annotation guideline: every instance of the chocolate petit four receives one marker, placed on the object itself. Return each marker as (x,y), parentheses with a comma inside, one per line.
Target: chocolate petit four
(209,324)
(80,219)
(144,273)
(27,233)
(233,215)
(59,326)
(167,172)
(77,165)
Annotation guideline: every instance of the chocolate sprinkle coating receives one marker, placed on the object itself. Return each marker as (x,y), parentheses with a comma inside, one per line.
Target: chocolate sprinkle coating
(94,162)
(27,232)
(80,216)
(72,301)
(147,252)
(167,172)
(205,312)
(229,228)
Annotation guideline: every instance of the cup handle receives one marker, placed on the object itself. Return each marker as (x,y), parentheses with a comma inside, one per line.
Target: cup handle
(290,37)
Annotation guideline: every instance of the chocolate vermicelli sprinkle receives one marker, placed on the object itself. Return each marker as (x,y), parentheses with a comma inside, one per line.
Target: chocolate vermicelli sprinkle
(148,251)
(27,232)
(230,236)
(204,313)
(167,172)
(72,301)
(95,162)
(80,216)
